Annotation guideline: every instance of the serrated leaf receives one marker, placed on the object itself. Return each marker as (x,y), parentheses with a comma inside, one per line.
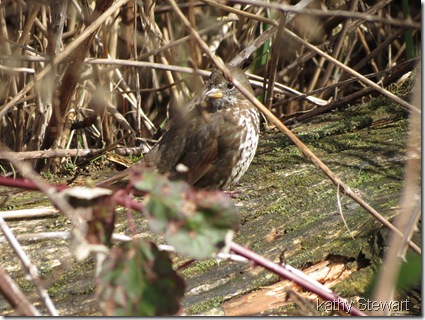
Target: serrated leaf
(138,280)
(194,221)
(197,245)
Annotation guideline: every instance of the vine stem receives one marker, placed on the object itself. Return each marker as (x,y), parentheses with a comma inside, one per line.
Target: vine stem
(287,273)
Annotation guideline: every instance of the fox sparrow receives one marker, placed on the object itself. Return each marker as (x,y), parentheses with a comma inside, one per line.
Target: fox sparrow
(216,141)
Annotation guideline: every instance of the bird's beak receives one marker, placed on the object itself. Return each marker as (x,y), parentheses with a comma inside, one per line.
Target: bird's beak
(214,93)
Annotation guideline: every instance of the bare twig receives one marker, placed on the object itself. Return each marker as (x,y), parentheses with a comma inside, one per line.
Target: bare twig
(338,46)
(29,213)
(331,13)
(44,154)
(144,64)
(16,297)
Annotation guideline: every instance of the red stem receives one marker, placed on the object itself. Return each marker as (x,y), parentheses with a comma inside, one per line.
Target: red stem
(25,184)
(280,270)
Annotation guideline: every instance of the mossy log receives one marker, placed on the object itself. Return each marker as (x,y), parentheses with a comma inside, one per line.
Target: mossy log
(289,211)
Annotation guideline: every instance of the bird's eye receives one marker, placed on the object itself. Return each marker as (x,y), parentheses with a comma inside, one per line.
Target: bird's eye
(230,86)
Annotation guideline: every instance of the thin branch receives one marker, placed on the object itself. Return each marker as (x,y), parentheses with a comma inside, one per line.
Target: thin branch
(16,297)
(331,13)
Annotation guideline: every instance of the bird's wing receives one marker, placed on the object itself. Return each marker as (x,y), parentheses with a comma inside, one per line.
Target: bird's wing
(200,155)
(192,142)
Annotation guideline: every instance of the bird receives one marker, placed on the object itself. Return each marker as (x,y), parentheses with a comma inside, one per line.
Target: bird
(215,141)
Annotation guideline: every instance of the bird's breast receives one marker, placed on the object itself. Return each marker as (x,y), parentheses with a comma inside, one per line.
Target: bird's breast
(240,139)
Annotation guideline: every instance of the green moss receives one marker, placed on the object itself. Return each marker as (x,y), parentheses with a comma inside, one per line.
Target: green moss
(22,200)
(266,279)
(75,278)
(199,267)
(25,285)
(204,306)
(356,284)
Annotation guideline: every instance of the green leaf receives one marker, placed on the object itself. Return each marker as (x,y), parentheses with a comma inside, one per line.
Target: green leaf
(410,272)
(138,280)
(194,221)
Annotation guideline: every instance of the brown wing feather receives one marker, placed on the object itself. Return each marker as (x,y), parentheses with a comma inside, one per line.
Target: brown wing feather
(208,156)
(182,143)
